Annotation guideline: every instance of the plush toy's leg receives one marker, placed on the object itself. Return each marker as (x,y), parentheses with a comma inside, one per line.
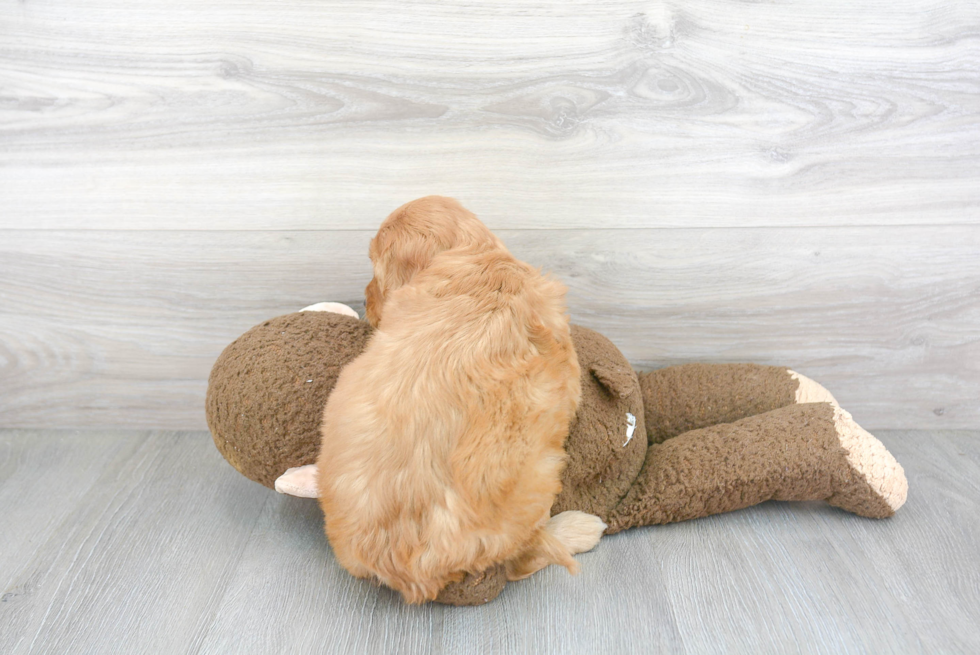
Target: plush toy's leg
(809,451)
(692,396)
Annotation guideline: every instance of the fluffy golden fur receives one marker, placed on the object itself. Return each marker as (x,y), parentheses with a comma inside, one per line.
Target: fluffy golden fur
(443,442)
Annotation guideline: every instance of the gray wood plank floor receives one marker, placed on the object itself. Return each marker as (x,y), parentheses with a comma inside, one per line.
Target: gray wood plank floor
(148,542)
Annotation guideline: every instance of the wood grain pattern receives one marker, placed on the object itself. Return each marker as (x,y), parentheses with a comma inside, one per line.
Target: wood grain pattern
(154,544)
(46,475)
(578,114)
(113,328)
(791,182)
(172,173)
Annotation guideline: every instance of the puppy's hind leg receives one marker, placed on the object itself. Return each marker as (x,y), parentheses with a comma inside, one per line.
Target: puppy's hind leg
(561,537)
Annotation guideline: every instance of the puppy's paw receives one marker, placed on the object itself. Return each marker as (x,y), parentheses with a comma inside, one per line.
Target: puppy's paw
(578,531)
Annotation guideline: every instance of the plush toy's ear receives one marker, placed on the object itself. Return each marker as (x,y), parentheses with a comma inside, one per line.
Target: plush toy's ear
(615,378)
(299,481)
(335,307)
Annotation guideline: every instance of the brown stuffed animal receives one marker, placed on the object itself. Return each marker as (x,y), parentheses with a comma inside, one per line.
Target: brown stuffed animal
(648,448)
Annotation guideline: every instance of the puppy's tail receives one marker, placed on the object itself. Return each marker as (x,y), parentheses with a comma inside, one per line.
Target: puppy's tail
(562,536)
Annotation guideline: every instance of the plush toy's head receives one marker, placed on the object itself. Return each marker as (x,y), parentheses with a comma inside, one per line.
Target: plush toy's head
(269,387)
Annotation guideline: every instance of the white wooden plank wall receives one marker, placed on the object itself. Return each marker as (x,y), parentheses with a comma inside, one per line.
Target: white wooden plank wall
(793,183)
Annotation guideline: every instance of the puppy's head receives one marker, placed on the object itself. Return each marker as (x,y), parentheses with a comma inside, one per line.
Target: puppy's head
(411,237)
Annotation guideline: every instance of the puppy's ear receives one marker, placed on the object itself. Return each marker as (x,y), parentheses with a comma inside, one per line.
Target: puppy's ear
(397,258)
(411,256)
(373,300)
(616,379)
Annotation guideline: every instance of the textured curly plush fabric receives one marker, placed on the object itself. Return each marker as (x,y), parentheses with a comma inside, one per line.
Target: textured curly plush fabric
(790,453)
(693,396)
(268,388)
(475,588)
(670,445)
(267,391)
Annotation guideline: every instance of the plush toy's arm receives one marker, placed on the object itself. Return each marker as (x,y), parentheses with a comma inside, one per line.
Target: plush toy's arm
(812,451)
(299,481)
(693,396)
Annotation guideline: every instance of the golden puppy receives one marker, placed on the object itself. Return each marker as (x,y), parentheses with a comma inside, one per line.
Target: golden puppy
(443,441)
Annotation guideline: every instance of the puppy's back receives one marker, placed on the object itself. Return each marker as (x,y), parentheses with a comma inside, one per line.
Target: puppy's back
(442,443)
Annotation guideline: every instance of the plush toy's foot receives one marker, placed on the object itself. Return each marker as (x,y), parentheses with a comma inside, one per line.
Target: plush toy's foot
(877,486)
(809,391)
